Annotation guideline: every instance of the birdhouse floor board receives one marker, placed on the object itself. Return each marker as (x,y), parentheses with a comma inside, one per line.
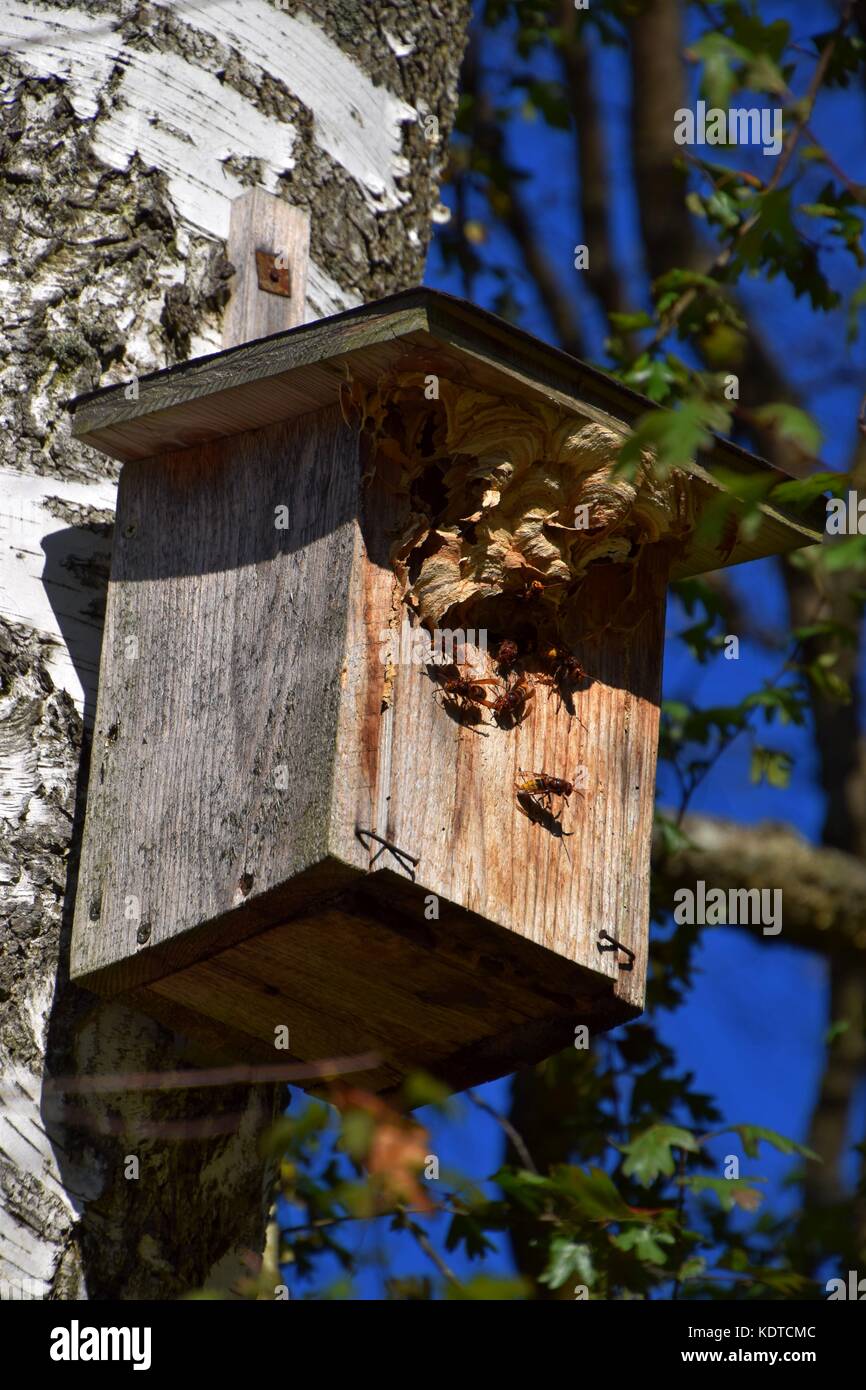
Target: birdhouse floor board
(374,989)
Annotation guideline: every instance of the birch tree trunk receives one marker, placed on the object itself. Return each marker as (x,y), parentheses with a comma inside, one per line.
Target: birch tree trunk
(128,129)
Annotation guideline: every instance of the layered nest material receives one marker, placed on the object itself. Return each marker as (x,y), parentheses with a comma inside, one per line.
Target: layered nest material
(495,488)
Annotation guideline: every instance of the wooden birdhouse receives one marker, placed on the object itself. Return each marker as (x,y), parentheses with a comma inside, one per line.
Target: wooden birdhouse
(322,797)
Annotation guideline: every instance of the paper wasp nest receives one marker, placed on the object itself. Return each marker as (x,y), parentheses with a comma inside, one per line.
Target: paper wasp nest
(505,496)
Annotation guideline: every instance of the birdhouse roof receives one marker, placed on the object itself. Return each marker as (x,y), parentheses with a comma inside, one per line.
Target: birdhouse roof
(301,370)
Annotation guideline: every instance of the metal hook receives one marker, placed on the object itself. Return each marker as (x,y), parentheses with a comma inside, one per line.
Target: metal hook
(616,946)
(399,854)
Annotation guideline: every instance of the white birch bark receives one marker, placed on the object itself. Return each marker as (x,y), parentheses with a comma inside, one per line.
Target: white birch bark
(127,130)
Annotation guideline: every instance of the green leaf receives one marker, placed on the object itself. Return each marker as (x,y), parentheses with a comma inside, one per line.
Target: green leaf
(675,437)
(836,1030)
(771,765)
(818,209)
(529,1190)
(846,59)
(629,323)
(844,211)
(358,1130)
(752,1135)
(645,1242)
(549,97)
(656,377)
(673,838)
(697,639)
(485,1288)
(743,487)
(842,632)
(785,1281)
(465,1230)
(826,681)
(568,1258)
(649,1155)
(723,208)
(696,590)
(731,1192)
(847,553)
(721,57)
(801,492)
(421,1089)
(595,1194)
(773,245)
(773,225)
(786,701)
(676,709)
(763,75)
(790,423)
(750,30)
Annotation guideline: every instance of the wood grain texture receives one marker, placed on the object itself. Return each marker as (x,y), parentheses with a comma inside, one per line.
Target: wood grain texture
(455,997)
(172,412)
(261,221)
(444,792)
(212,753)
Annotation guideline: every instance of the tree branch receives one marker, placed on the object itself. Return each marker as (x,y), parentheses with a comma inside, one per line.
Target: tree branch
(824,889)
(509,206)
(594,191)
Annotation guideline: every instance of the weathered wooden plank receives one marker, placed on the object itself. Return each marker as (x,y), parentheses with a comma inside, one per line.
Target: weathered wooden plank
(444,793)
(261,221)
(97,415)
(444,318)
(218,701)
(345,981)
